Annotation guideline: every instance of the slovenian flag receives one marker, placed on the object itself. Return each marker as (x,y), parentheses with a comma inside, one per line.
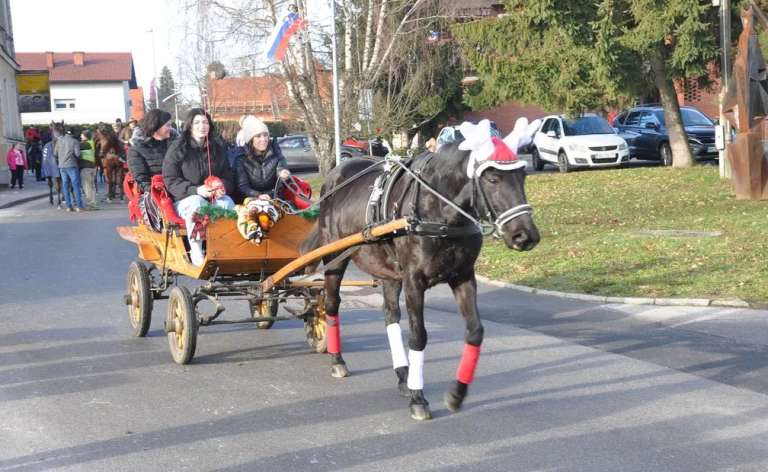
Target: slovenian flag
(278,40)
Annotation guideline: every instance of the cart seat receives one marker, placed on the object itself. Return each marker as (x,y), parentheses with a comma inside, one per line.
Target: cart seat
(160,202)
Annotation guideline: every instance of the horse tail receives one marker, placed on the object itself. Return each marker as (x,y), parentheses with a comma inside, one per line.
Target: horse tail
(312,241)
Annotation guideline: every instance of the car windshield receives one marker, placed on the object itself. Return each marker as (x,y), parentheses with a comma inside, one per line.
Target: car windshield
(586,125)
(690,117)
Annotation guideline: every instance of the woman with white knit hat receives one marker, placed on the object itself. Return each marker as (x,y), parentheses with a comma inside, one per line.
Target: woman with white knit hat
(261,162)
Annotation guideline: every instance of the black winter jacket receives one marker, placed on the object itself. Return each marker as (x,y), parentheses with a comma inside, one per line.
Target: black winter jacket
(145,160)
(185,169)
(258,175)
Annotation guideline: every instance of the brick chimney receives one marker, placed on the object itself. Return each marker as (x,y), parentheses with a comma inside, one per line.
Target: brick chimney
(49,59)
(79,58)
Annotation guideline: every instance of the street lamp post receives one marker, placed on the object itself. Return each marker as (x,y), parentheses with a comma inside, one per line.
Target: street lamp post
(725,44)
(154,67)
(174,95)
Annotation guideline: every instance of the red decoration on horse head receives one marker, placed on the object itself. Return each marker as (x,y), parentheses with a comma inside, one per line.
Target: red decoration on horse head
(501,152)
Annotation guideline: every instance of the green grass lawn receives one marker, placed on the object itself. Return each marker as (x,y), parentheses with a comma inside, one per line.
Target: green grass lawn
(595,224)
(597,236)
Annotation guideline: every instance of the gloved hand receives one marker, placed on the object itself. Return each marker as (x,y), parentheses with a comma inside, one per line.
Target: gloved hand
(203,191)
(284,174)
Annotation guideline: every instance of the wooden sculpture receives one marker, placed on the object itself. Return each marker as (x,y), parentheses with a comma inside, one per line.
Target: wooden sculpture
(746,106)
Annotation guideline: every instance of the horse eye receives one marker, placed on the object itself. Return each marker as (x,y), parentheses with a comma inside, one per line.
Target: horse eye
(493,179)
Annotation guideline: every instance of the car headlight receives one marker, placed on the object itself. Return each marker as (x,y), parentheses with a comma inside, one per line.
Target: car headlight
(622,146)
(577,147)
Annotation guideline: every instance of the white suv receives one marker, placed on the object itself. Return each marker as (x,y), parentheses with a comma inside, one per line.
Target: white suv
(587,141)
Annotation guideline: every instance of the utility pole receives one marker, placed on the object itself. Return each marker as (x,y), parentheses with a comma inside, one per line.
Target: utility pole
(336,111)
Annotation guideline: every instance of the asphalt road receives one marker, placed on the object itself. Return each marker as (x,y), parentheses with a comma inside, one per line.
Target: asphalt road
(562,385)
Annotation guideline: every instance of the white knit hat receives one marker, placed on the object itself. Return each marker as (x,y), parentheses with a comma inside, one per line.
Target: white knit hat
(250,126)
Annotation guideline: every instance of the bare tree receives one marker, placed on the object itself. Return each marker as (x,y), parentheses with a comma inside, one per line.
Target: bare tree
(382,46)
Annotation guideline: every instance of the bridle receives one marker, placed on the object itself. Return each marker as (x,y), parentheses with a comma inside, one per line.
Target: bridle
(488,222)
(494,220)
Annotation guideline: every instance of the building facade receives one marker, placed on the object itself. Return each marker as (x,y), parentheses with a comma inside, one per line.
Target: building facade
(10,122)
(263,96)
(84,87)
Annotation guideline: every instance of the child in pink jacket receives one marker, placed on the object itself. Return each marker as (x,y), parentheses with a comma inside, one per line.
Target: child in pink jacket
(17,163)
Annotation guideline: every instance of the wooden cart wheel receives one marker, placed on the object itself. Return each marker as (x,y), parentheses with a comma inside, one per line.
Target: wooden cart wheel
(139,298)
(263,308)
(315,326)
(181,325)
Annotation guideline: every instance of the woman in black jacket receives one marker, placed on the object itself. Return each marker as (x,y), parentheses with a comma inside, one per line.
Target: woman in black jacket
(146,158)
(192,159)
(260,162)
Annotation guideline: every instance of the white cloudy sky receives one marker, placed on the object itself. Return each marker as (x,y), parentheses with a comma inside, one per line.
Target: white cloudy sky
(112,26)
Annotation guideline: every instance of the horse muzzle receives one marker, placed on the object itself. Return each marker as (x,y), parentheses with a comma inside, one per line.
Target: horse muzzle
(521,234)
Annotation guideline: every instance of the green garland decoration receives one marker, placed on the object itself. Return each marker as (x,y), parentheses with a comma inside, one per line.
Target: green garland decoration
(311,213)
(215,213)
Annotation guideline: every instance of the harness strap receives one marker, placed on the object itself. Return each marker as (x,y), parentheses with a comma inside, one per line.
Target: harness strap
(442,230)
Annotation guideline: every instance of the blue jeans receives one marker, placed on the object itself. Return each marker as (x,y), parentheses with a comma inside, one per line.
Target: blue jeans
(71,175)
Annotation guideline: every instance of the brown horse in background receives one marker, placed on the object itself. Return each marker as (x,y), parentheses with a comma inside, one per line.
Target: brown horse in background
(110,150)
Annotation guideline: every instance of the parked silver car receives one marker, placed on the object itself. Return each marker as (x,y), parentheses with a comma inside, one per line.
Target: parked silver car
(300,155)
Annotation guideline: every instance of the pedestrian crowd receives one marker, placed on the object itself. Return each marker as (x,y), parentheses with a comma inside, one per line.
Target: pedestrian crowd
(198,165)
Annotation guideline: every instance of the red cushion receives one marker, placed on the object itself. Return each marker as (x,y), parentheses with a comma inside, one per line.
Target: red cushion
(297,192)
(163,200)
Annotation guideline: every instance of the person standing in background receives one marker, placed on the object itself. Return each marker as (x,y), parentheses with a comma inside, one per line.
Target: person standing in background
(17,163)
(88,164)
(67,153)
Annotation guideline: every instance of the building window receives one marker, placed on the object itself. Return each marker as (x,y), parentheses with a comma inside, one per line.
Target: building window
(64,103)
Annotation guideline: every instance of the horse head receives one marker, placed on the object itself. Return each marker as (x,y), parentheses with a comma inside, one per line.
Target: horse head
(503,199)
(499,180)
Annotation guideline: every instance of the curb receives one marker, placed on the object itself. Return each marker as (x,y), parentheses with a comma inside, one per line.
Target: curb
(733,303)
(13,203)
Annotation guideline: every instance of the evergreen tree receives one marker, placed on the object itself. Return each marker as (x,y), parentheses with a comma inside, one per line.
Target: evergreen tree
(579,55)
(166,88)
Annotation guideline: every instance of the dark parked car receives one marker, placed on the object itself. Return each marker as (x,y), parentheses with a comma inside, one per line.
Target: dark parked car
(645,131)
(300,155)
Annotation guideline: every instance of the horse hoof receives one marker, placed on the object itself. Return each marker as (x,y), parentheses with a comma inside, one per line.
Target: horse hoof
(404,390)
(452,401)
(420,412)
(339,371)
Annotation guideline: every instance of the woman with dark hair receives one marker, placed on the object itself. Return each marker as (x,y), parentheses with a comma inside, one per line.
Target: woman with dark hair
(196,173)
(146,158)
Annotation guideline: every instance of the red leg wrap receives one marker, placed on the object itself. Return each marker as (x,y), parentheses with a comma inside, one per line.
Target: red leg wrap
(333,334)
(466,372)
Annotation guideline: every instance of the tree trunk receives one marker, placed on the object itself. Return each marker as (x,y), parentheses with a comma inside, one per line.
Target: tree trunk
(678,139)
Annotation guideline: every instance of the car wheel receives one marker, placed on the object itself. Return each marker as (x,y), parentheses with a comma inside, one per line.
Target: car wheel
(345,156)
(562,162)
(665,155)
(538,164)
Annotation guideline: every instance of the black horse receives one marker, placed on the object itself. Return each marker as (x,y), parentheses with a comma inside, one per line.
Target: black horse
(441,248)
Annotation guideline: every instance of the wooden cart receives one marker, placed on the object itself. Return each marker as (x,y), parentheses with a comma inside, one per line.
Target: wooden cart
(267,275)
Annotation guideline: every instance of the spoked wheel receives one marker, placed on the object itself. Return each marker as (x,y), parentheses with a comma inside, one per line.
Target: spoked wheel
(139,299)
(315,326)
(562,162)
(181,325)
(263,309)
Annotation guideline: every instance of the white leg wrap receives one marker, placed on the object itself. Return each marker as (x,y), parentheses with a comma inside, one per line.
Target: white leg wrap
(416,370)
(396,346)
